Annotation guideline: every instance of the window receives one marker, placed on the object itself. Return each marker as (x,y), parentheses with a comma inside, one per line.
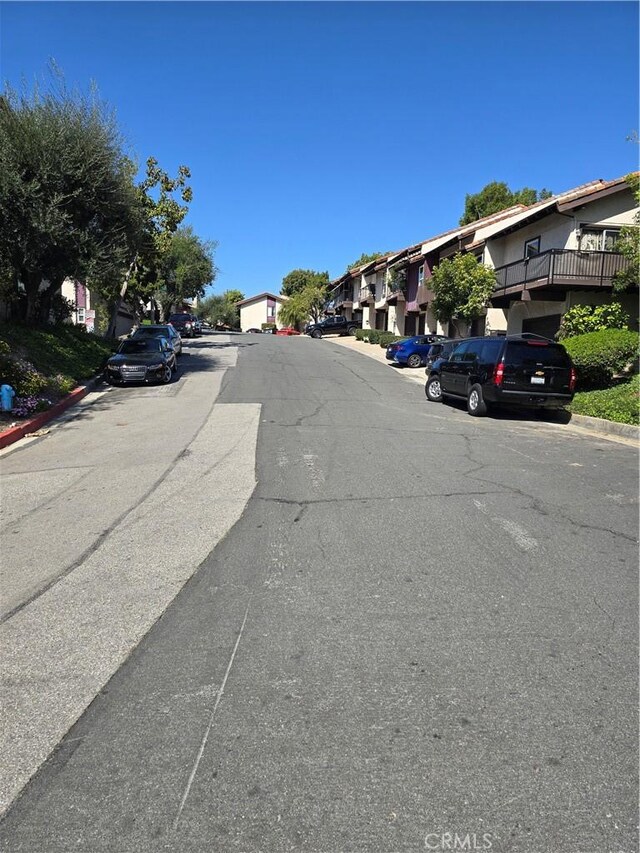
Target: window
(81,315)
(532,247)
(420,275)
(599,239)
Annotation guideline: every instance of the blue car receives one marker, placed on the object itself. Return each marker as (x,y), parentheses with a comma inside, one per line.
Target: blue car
(412,351)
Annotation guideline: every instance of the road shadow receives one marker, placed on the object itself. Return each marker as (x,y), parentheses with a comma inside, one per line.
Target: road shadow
(507,413)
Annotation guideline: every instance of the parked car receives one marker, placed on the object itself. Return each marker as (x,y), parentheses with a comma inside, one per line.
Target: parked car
(164,329)
(412,351)
(254,331)
(516,370)
(184,324)
(331,326)
(287,330)
(142,359)
(198,324)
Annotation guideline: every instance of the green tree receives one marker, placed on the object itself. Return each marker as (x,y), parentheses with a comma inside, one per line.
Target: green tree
(67,200)
(303,305)
(222,310)
(185,267)
(297,280)
(461,287)
(629,245)
(161,212)
(495,197)
(365,259)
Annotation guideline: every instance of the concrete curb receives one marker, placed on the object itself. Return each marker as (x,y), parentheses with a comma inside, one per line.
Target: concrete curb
(596,425)
(13,434)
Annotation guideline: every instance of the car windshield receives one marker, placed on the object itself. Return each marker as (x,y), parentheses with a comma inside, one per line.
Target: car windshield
(153,330)
(137,346)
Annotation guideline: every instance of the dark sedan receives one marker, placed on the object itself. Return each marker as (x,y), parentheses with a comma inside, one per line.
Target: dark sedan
(164,329)
(142,360)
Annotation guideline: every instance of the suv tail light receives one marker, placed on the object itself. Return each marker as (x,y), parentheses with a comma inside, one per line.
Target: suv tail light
(498,373)
(573,378)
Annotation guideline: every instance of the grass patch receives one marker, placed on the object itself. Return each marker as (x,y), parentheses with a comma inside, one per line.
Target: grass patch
(620,404)
(63,349)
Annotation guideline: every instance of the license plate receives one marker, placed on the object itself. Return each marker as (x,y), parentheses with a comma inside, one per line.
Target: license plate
(537,380)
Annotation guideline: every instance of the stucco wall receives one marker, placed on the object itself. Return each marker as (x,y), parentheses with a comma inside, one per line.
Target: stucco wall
(559,231)
(254,315)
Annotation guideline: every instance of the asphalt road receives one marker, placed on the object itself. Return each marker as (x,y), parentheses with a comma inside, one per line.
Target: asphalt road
(421,625)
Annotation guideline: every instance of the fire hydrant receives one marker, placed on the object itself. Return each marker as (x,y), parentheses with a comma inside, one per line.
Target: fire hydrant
(6,397)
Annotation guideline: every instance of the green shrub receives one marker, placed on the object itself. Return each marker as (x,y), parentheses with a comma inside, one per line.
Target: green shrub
(60,385)
(620,404)
(362,334)
(599,356)
(374,336)
(582,319)
(387,338)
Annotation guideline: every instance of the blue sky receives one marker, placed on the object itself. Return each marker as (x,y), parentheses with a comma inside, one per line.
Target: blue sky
(318,131)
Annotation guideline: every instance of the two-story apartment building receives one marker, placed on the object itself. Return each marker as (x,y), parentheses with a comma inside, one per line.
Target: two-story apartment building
(548,256)
(559,253)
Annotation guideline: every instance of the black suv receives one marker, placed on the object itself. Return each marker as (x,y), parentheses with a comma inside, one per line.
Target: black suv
(516,370)
(332,326)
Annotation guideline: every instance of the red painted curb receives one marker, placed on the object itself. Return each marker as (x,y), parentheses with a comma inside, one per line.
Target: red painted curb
(9,436)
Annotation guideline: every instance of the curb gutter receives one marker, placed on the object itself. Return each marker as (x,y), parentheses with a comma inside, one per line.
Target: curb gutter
(13,434)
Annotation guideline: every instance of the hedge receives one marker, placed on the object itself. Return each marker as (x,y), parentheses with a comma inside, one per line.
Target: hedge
(387,338)
(362,334)
(620,404)
(599,356)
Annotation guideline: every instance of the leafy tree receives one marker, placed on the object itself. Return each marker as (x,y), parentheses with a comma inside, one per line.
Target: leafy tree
(629,245)
(297,280)
(365,259)
(304,304)
(185,267)
(66,196)
(222,310)
(160,214)
(495,197)
(461,287)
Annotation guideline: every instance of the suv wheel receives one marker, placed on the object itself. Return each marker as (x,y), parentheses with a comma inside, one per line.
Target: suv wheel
(316,333)
(352,331)
(475,402)
(433,390)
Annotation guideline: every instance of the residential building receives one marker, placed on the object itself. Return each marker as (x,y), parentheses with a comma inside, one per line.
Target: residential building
(559,253)
(79,295)
(260,309)
(548,256)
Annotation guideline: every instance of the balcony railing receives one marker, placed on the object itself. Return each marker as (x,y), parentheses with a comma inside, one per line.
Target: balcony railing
(343,297)
(561,267)
(367,294)
(424,296)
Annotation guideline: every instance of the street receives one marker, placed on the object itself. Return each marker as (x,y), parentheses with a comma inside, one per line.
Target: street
(284,603)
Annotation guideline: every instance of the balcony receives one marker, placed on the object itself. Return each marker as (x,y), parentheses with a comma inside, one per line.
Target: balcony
(367,295)
(550,274)
(396,292)
(424,295)
(344,299)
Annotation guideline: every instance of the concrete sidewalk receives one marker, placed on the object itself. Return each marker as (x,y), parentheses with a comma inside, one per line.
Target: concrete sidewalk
(626,433)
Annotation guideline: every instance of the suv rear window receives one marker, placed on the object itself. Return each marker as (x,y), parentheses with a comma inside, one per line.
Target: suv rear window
(530,353)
